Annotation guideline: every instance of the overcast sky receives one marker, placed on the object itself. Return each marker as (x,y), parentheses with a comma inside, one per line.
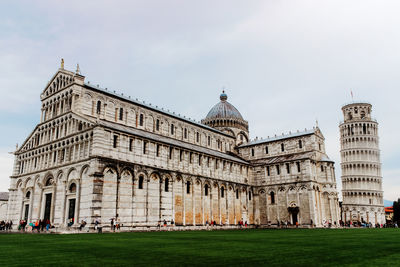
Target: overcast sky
(284,64)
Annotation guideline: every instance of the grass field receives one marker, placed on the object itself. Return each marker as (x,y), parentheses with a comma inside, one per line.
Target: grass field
(289,247)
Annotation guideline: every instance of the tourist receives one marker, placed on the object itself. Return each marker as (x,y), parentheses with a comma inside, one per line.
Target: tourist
(165,223)
(82,225)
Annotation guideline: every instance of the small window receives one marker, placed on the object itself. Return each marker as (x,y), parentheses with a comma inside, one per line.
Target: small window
(252,152)
(166,185)
(268,171)
(319,146)
(249,195)
(322,168)
(98,107)
(171,150)
(266,150)
(141,178)
(197,137)
(72,188)
(288,168)
(278,171)
(209,140)
(130,144)
(206,190)
(185,133)
(28,194)
(115,141)
(180,155)
(172,129)
(222,192)
(157,125)
(158,150)
(187,187)
(199,160)
(237,193)
(80,126)
(121,114)
(190,157)
(141,120)
(300,144)
(298,166)
(272,195)
(144,147)
(282,147)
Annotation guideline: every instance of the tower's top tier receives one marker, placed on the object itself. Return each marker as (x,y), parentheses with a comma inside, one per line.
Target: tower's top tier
(357,112)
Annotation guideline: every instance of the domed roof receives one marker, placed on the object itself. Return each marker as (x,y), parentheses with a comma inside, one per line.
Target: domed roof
(224,109)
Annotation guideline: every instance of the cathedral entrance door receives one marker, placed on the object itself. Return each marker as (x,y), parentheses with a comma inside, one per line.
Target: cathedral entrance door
(293,211)
(71,209)
(294,218)
(47,207)
(26,212)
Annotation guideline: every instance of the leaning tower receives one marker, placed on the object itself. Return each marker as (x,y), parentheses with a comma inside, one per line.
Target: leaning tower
(361,168)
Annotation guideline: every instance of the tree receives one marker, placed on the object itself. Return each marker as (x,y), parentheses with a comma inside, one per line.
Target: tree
(396,211)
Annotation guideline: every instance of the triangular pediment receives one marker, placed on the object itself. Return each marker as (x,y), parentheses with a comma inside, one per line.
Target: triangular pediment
(61,79)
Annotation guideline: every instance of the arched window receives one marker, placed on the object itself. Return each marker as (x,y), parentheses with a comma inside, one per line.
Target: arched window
(222,192)
(272,195)
(28,195)
(98,107)
(300,144)
(166,184)
(188,187)
(157,125)
(206,190)
(282,147)
(49,182)
(72,188)
(141,119)
(141,178)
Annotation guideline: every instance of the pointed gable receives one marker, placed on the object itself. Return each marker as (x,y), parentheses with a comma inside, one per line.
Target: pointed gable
(61,80)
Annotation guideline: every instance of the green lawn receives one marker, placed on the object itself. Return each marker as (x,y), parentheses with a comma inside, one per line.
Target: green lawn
(291,247)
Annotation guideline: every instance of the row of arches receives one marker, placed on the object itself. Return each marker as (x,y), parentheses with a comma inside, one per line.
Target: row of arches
(58,83)
(359,142)
(55,130)
(350,129)
(365,194)
(40,197)
(57,106)
(235,123)
(69,150)
(361,155)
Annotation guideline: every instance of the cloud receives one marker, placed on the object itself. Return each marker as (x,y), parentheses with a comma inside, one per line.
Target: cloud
(284,64)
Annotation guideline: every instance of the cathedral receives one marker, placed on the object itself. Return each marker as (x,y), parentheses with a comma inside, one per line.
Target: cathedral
(99,156)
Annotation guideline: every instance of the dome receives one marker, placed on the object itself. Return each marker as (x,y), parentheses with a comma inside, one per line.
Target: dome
(224,109)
